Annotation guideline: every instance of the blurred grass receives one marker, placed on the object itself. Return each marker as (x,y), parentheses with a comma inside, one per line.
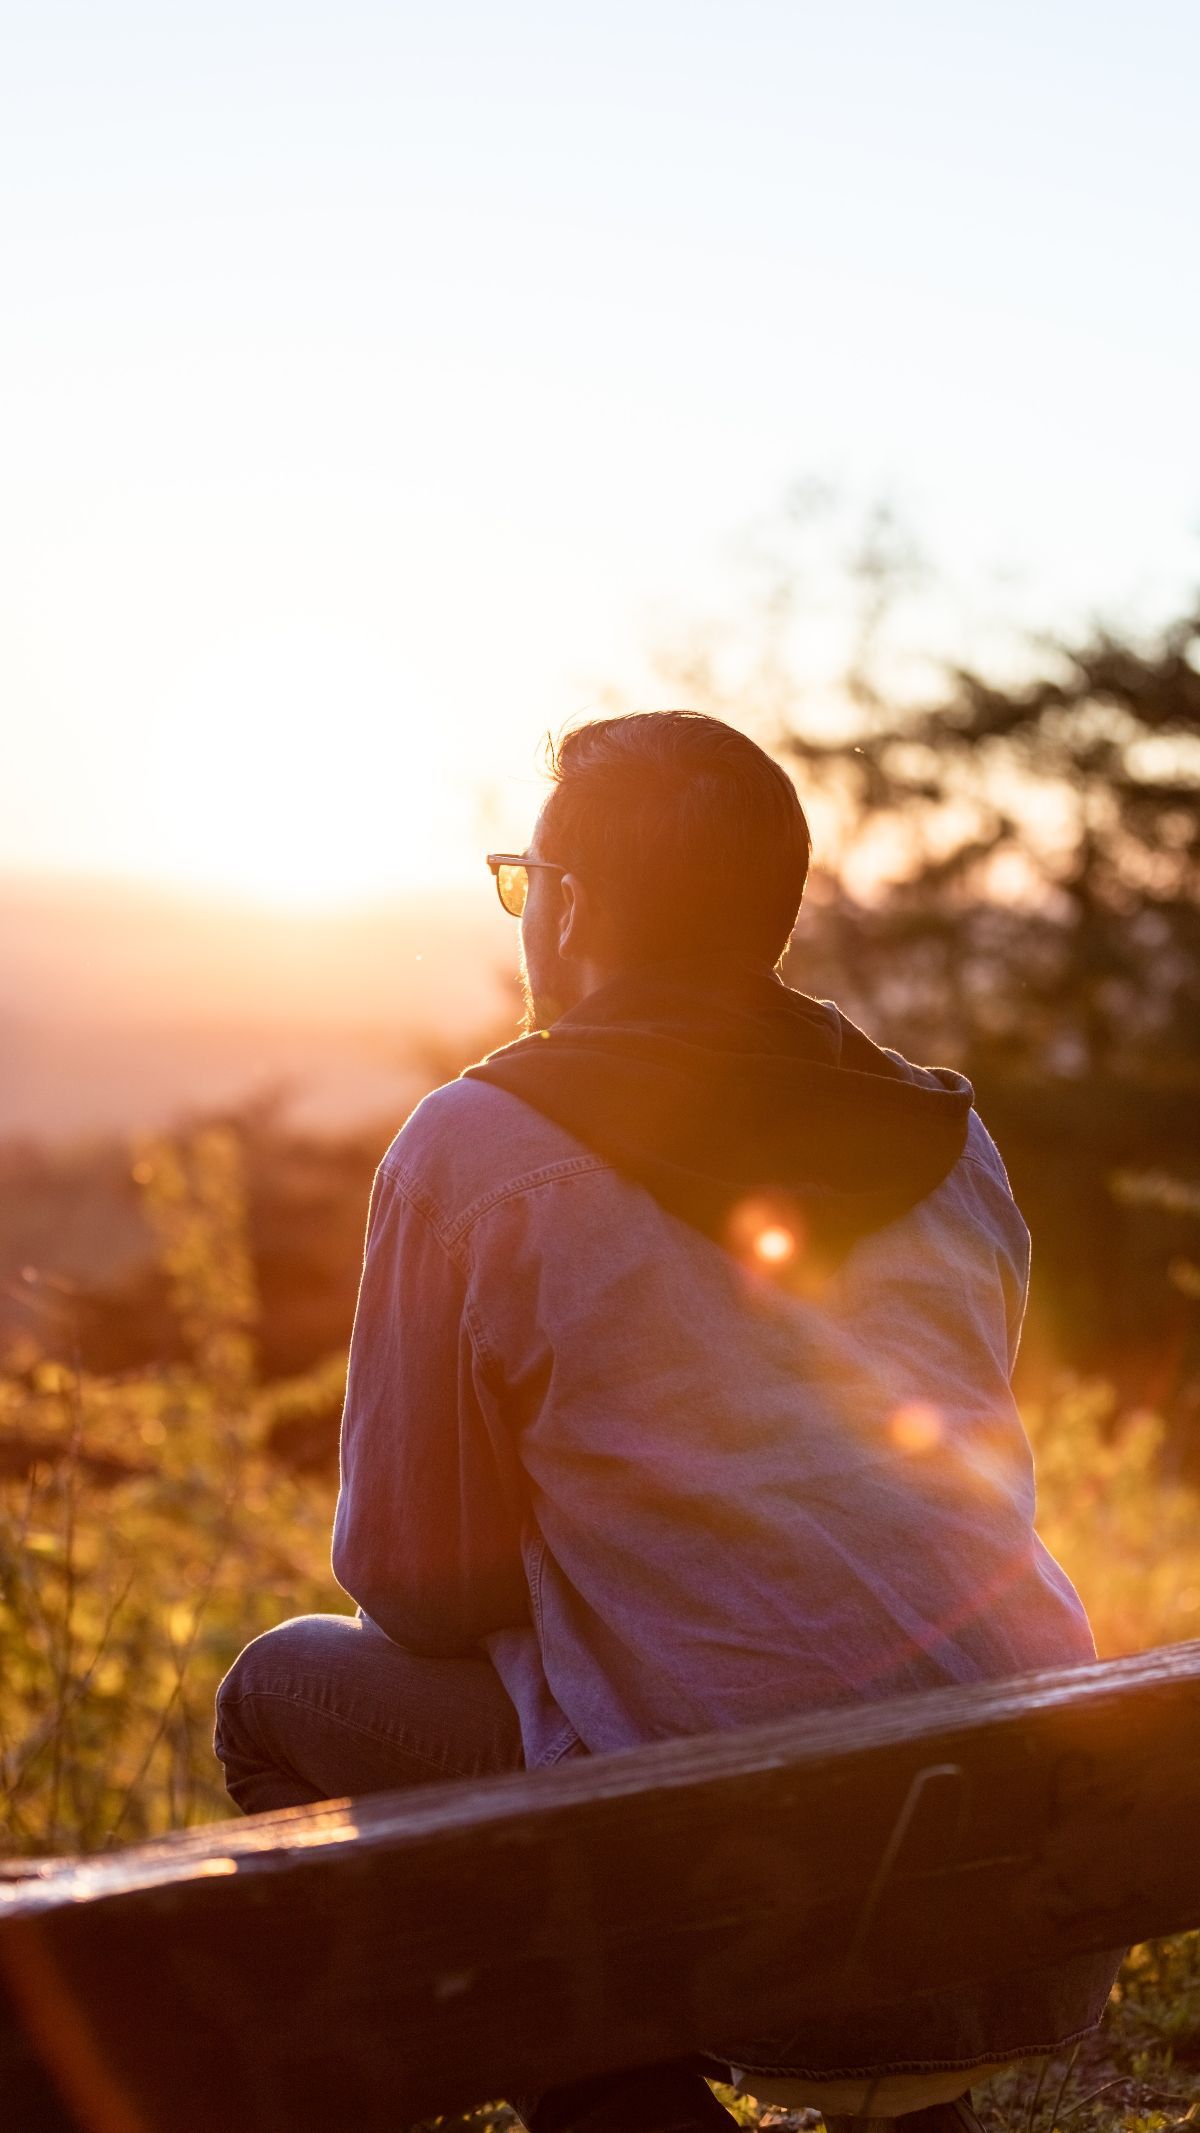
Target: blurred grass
(149,1538)
(148,1534)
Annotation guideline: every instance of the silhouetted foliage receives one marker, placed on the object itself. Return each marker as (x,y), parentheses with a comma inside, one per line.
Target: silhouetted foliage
(1046,911)
(1008,881)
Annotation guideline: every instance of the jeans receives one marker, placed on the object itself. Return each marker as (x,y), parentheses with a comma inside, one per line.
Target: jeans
(327,1705)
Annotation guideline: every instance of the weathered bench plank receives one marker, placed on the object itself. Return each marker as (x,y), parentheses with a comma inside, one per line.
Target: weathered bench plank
(361,1965)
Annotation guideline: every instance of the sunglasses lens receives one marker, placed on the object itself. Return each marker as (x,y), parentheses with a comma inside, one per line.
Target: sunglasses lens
(513,883)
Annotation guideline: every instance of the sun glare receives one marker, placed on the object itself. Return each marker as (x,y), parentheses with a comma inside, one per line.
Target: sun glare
(300,768)
(916,1427)
(767,1228)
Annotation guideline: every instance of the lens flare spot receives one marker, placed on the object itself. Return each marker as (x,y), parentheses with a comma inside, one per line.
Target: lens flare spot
(916,1427)
(767,1230)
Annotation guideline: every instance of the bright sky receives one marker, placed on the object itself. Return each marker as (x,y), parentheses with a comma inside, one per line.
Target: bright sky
(374,376)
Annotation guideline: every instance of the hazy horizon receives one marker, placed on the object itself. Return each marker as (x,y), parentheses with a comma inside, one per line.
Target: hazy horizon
(127,1005)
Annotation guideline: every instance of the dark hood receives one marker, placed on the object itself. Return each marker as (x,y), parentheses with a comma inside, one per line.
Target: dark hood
(719,1088)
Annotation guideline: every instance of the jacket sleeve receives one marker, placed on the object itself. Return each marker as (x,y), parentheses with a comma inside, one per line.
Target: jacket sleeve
(427,1533)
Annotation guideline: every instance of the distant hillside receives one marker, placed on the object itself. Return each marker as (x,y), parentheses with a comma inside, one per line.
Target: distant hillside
(122,1007)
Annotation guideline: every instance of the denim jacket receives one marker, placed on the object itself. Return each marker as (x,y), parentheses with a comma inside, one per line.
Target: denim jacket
(668,1496)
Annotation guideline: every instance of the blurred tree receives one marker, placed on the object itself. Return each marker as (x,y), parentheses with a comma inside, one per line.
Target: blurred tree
(1010,867)
(1009,880)
(1045,909)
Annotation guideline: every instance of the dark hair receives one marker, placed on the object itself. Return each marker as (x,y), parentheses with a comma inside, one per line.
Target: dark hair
(692,835)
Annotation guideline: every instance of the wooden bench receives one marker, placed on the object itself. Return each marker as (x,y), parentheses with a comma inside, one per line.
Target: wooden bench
(353,1967)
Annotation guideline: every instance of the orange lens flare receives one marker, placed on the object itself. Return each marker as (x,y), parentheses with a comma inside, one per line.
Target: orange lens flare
(916,1427)
(767,1229)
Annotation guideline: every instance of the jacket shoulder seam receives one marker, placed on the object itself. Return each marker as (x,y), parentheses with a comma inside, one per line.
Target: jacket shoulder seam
(426,1208)
(531,1180)
(424,1204)
(450,1231)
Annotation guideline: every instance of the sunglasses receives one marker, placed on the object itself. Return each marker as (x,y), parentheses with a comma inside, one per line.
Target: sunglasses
(511,870)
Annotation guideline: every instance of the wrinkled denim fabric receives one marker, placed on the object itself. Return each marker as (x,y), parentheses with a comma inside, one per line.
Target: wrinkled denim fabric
(669,1493)
(327,1705)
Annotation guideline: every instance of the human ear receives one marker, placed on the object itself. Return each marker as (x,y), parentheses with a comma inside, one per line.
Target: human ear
(572,917)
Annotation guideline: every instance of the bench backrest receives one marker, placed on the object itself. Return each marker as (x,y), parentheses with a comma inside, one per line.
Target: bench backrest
(364,1964)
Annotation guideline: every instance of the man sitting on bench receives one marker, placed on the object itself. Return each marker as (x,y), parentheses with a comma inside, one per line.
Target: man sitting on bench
(679,1390)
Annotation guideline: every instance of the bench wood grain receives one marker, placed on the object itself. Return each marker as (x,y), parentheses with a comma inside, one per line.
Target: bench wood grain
(352,1967)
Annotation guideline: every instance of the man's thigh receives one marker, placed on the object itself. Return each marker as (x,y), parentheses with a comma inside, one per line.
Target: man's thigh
(327,1705)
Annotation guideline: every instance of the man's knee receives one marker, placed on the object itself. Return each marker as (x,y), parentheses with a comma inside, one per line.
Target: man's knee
(261,1669)
(233,1699)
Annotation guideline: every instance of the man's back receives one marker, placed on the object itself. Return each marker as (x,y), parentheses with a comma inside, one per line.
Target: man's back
(690,1494)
